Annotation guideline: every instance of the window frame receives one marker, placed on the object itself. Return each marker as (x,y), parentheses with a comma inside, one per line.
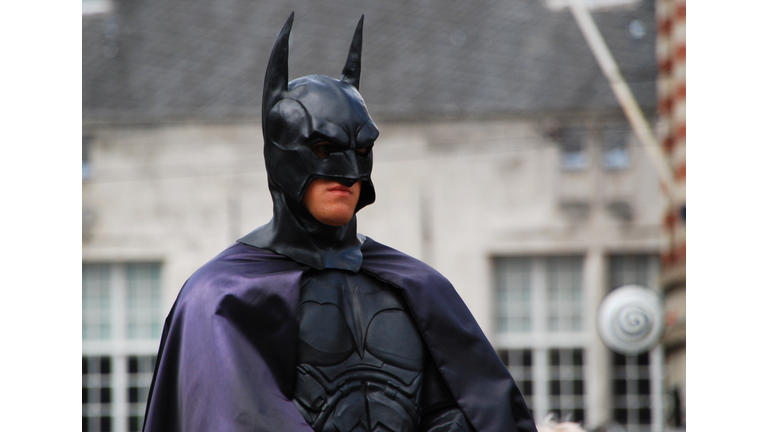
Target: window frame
(540,340)
(654,371)
(573,143)
(118,347)
(614,140)
(87,153)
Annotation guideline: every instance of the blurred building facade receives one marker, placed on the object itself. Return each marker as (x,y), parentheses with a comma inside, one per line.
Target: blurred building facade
(504,161)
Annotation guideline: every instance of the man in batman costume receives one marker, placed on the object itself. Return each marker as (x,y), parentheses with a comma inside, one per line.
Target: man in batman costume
(305,325)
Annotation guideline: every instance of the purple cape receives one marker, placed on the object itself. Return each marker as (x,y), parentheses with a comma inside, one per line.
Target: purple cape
(227,357)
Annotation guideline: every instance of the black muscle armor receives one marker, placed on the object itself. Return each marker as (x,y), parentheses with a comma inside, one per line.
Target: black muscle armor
(361,356)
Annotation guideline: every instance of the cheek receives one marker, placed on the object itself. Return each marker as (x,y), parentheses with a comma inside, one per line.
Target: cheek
(312,196)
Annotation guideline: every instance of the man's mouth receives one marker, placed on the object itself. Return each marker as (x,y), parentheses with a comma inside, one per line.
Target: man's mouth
(340,188)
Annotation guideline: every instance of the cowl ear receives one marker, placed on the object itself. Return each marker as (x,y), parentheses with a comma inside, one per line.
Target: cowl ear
(351,72)
(276,80)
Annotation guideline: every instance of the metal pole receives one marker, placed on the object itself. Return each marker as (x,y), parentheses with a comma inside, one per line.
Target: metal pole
(623,93)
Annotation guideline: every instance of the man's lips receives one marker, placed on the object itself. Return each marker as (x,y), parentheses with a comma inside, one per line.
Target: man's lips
(340,188)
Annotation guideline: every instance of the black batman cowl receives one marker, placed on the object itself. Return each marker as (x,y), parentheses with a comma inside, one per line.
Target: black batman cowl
(296,115)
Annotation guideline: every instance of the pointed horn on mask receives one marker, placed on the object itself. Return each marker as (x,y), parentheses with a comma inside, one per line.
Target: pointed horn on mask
(276,80)
(351,72)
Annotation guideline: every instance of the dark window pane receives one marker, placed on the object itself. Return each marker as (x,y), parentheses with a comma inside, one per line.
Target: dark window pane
(104,366)
(572,143)
(619,360)
(644,387)
(527,360)
(578,358)
(554,357)
(106,424)
(85,424)
(133,394)
(615,155)
(642,359)
(133,364)
(504,356)
(133,424)
(554,388)
(527,387)
(578,415)
(578,387)
(106,395)
(85,365)
(620,415)
(86,156)
(645,416)
(85,395)
(619,387)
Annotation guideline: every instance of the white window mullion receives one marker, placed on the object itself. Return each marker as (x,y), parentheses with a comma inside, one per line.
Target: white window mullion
(598,392)
(120,386)
(119,375)
(657,389)
(540,381)
(538,327)
(538,299)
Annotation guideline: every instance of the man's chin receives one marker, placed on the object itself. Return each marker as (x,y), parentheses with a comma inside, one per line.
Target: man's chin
(335,219)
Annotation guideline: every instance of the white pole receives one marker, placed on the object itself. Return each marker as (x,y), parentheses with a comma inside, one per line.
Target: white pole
(623,93)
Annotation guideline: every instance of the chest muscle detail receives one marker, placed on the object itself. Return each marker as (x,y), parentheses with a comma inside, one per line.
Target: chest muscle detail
(343,313)
(361,355)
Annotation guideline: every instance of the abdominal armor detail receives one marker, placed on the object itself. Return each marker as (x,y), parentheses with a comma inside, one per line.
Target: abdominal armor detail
(361,356)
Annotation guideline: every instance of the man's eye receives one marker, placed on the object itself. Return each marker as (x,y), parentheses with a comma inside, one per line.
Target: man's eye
(323,149)
(363,152)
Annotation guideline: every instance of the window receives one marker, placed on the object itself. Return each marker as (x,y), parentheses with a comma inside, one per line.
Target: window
(566,383)
(573,148)
(143,305)
(540,331)
(563,294)
(97,393)
(560,282)
(631,391)
(633,269)
(97,304)
(140,370)
(513,295)
(86,157)
(520,365)
(615,151)
(122,319)
(96,6)
(543,338)
(632,376)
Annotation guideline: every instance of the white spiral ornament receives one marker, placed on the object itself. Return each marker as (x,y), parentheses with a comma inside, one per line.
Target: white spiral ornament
(629,319)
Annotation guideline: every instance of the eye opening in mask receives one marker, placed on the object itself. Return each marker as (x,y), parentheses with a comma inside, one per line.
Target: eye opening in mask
(323,149)
(364,152)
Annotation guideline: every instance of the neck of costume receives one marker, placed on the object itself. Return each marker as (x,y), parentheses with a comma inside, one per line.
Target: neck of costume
(295,233)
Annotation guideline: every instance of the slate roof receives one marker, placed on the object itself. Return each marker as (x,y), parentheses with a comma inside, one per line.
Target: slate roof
(171,60)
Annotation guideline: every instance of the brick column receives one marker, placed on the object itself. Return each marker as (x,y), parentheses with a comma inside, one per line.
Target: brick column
(671,132)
